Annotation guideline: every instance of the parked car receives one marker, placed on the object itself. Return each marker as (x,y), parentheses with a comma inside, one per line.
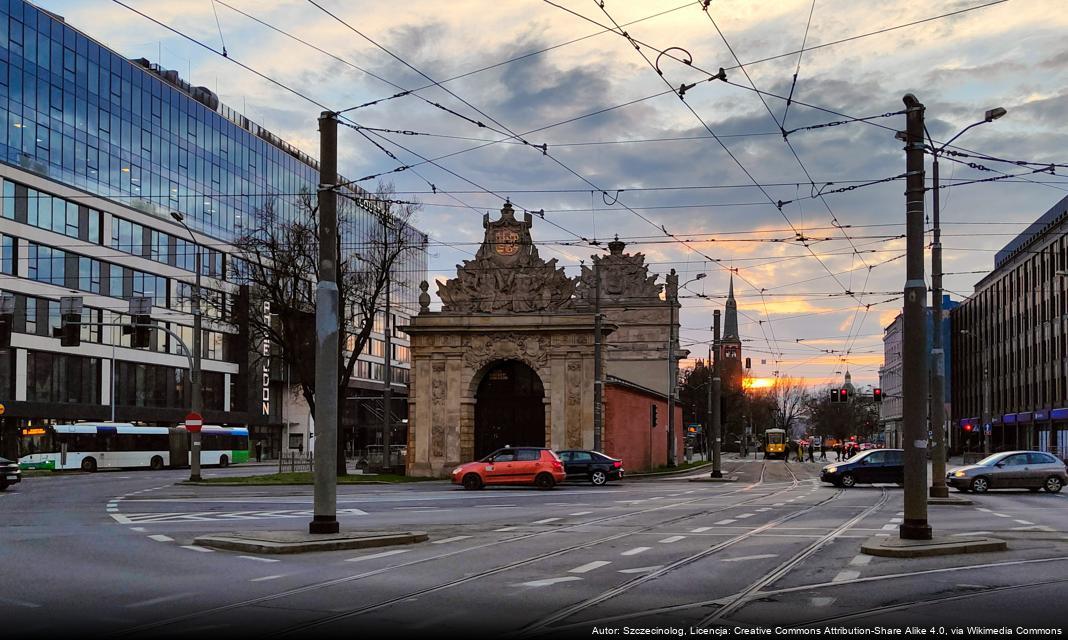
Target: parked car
(9,473)
(511,466)
(1032,470)
(867,467)
(594,466)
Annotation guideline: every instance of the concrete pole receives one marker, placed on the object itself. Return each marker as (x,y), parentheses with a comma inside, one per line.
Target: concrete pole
(326,335)
(938,361)
(598,367)
(198,395)
(914,357)
(673,299)
(387,391)
(714,400)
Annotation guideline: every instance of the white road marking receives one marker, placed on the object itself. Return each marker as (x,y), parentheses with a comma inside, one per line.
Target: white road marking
(701,529)
(744,515)
(845,574)
(259,559)
(778,504)
(159,537)
(266,578)
(763,509)
(889,527)
(374,556)
(756,557)
(590,566)
(581,513)
(1002,515)
(452,539)
(20,603)
(882,535)
(635,551)
(896,520)
(503,529)
(642,569)
(727,521)
(1023,522)
(671,539)
(860,561)
(547,582)
(160,600)
(138,529)
(984,510)
(545,521)
(193,547)
(972,533)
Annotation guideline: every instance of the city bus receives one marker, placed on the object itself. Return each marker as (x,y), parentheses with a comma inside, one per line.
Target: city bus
(109,445)
(775,443)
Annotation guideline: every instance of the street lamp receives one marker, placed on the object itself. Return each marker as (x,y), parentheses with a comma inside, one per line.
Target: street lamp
(937,379)
(194,375)
(673,295)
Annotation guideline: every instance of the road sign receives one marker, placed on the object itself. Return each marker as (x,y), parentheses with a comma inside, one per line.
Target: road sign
(193,422)
(986,428)
(2,409)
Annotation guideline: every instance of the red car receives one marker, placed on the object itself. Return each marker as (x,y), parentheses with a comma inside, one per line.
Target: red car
(538,466)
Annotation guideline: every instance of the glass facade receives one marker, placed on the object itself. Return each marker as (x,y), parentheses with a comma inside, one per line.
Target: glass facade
(75,115)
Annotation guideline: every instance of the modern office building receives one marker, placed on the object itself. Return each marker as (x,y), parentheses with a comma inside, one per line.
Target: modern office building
(890,409)
(96,152)
(1011,341)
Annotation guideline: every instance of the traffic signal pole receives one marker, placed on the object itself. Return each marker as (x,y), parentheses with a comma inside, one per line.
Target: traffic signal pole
(914,356)
(938,362)
(714,401)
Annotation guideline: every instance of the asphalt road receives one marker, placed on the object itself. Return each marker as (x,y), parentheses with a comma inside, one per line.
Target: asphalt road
(111,554)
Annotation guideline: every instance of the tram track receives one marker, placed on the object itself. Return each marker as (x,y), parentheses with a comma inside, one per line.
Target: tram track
(347,579)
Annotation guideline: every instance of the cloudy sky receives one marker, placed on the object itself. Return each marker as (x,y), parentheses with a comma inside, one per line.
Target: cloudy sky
(624,155)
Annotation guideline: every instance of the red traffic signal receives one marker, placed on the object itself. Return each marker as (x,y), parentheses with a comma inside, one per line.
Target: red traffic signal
(844,394)
(877,394)
(967,427)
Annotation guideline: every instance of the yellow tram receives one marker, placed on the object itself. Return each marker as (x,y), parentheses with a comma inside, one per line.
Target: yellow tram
(775,443)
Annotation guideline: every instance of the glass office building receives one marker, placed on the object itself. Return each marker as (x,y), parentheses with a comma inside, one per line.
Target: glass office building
(96,151)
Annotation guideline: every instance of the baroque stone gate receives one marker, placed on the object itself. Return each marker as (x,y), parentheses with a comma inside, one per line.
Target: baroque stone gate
(508,304)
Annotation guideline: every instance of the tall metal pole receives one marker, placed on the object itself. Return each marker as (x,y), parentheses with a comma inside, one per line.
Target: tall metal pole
(198,397)
(914,358)
(387,392)
(326,335)
(714,400)
(673,296)
(598,372)
(938,361)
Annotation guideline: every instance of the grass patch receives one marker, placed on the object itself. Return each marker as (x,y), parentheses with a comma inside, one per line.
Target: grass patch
(306,477)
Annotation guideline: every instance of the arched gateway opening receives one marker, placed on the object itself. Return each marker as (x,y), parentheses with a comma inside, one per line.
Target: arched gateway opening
(509,408)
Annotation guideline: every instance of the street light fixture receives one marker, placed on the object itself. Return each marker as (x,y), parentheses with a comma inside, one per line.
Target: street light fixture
(673,299)
(937,377)
(197,403)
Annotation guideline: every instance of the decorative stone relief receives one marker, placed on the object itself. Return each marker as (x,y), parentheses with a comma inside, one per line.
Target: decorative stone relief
(574,404)
(624,278)
(438,394)
(507,274)
(480,350)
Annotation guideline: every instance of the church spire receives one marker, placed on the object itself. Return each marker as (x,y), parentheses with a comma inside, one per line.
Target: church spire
(730,320)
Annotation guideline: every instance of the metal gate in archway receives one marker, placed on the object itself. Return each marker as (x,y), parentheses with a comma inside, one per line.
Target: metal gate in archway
(509,408)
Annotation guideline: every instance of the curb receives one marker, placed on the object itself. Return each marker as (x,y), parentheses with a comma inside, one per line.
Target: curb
(950,501)
(660,474)
(260,542)
(896,548)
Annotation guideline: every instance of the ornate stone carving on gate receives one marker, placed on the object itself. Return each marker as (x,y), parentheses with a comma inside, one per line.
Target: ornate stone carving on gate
(480,350)
(507,275)
(438,395)
(624,278)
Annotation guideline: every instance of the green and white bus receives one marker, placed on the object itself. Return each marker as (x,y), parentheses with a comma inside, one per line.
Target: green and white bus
(111,445)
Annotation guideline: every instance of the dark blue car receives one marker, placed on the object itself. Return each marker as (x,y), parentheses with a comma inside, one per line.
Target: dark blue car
(867,467)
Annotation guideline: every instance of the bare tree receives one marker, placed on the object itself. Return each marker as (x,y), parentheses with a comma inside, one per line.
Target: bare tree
(279,261)
(790,395)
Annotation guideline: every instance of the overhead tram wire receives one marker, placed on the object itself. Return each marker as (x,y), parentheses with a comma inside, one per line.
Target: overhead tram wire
(495,121)
(285,87)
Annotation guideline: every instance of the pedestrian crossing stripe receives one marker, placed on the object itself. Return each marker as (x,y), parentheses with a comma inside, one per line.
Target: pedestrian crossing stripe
(216,516)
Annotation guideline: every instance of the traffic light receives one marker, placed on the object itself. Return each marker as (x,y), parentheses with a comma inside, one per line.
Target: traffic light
(7,319)
(843,395)
(835,396)
(748,363)
(968,428)
(141,329)
(877,394)
(69,331)
(652,416)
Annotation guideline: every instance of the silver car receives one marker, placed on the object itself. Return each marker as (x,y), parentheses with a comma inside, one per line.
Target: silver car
(1032,470)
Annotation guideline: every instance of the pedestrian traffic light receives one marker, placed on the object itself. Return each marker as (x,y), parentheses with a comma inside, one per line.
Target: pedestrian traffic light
(877,394)
(7,319)
(652,416)
(843,395)
(835,396)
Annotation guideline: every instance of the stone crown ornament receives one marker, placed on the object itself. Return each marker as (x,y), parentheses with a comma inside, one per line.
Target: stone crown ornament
(507,274)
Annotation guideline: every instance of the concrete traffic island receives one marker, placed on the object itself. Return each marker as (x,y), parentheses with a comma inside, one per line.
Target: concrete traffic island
(889,547)
(710,479)
(284,542)
(955,501)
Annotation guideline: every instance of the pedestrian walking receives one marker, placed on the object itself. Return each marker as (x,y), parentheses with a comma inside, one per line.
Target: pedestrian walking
(800,452)
(811,451)
(838,451)
(823,450)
